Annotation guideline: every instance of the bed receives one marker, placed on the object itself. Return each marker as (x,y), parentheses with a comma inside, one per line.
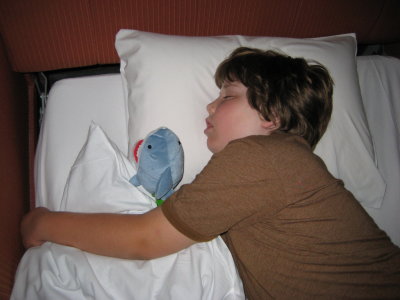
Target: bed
(72,35)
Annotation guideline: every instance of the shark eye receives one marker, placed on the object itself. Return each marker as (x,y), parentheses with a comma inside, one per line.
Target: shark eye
(149,147)
(179,142)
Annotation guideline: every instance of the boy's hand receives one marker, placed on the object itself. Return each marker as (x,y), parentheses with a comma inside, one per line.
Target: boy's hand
(31,234)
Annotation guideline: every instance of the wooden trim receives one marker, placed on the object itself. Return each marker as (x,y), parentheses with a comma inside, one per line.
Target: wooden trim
(43,35)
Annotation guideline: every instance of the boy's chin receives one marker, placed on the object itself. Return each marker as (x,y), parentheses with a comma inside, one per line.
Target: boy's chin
(211,146)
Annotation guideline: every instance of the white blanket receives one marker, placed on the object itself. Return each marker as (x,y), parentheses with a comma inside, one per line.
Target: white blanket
(98,181)
(59,272)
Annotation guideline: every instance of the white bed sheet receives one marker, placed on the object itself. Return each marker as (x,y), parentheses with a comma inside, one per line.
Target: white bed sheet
(379,78)
(71,107)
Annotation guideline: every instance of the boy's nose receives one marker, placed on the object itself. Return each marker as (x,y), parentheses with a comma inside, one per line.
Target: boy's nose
(211,106)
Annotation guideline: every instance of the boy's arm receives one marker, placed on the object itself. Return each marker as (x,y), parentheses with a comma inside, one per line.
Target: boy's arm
(145,236)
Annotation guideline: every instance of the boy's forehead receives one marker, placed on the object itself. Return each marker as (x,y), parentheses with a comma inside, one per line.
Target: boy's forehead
(228,83)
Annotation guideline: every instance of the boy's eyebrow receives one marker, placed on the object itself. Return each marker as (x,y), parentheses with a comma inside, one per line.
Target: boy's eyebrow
(225,84)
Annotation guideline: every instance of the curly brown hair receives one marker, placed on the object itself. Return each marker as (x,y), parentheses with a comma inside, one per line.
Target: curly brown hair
(292,92)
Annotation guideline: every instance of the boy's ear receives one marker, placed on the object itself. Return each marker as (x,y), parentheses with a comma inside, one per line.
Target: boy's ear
(271,125)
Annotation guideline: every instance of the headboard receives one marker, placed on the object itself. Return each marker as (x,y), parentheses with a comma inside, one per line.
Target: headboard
(44,35)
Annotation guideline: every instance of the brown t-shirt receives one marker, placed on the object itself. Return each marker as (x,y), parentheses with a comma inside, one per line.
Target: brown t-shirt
(294,231)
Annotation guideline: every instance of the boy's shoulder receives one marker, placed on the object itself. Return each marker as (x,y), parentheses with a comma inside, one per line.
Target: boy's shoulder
(274,147)
(277,140)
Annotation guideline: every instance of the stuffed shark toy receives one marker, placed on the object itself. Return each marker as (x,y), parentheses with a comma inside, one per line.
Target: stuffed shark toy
(159,158)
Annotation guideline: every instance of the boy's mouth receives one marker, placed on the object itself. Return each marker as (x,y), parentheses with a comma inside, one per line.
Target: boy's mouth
(208,126)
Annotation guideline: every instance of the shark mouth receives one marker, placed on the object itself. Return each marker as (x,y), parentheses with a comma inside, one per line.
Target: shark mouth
(136,150)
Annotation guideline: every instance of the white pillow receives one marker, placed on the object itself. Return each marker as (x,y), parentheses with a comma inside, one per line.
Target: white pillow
(168,81)
(99,180)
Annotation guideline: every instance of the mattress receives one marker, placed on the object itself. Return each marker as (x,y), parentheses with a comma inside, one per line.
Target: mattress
(75,104)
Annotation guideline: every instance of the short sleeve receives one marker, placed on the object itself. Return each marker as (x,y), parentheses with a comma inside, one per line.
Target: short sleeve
(237,184)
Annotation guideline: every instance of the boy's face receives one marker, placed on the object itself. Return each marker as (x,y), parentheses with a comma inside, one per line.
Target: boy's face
(231,117)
